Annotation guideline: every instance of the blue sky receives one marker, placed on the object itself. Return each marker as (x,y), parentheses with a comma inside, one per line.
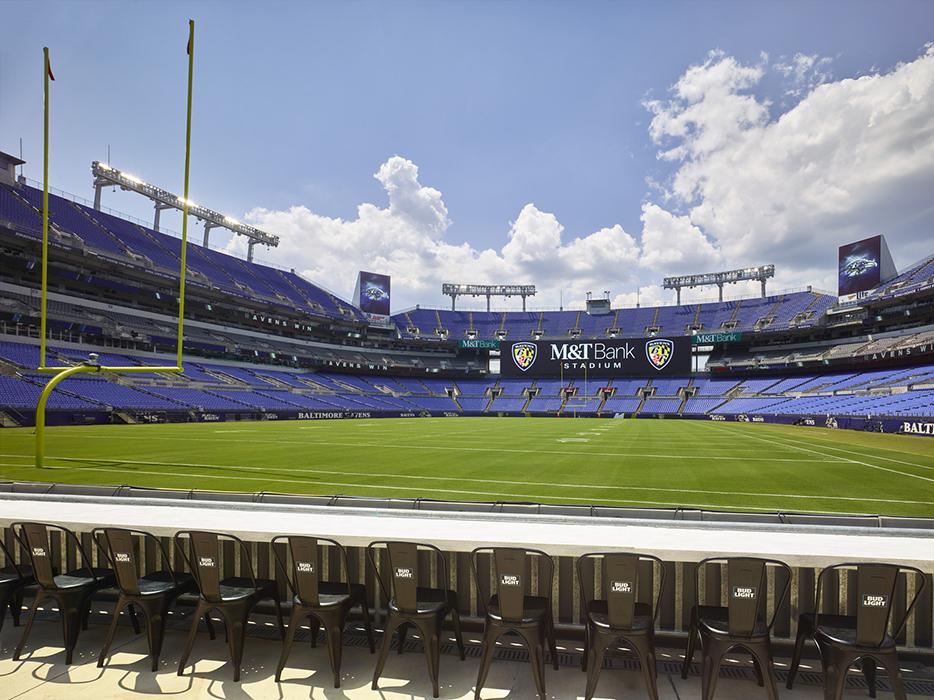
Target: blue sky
(498,104)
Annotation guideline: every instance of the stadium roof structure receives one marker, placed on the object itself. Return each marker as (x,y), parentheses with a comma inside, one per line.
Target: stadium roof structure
(105,176)
(487,290)
(760,273)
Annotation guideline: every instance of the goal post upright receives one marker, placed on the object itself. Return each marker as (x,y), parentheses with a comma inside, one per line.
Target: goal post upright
(62,373)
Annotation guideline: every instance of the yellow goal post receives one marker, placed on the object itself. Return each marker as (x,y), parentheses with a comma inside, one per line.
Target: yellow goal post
(62,373)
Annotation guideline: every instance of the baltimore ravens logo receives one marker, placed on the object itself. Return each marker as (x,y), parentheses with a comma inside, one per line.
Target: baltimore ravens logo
(659,352)
(523,354)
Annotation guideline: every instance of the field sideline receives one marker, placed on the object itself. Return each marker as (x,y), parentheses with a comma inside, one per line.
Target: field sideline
(662,463)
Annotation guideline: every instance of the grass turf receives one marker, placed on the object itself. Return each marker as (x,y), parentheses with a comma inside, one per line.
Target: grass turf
(661,463)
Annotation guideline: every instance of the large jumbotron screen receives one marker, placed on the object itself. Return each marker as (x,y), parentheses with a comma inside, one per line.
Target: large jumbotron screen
(634,357)
(373,296)
(859,266)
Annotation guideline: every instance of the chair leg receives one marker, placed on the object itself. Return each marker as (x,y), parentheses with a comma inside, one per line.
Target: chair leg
(803,633)
(835,663)
(368,626)
(154,615)
(868,666)
(403,628)
(111,631)
(335,637)
(429,631)
(73,619)
(16,606)
(595,654)
(553,647)
(279,619)
(537,656)
(391,622)
(490,635)
(294,623)
(210,625)
(762,658)
(7,600)
(889,662)
(586,648)
(689,654)
(235,618)
(645,649)
(30,618)
(202,611)
(458,637)
(314,626)
(134,620)
(712,654)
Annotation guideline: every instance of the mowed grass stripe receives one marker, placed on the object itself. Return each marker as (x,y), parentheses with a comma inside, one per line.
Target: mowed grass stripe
(476,495)
(447,478)
(627,454)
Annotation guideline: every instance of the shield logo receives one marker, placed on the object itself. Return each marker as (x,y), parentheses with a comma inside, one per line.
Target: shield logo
(659,352)
(523,354)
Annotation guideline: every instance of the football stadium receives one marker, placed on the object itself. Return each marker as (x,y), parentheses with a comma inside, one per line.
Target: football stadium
(723,491)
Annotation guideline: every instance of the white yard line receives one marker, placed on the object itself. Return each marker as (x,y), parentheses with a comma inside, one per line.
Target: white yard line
(310,470)
(817,452)
(383,487)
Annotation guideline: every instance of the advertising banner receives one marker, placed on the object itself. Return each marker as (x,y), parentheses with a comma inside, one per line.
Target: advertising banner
(372,296)
(633,357)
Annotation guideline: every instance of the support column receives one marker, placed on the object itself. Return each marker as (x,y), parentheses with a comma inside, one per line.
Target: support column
(720,285)
(453,302)
(523,302)
(763,288)
(249,251)
(98,186)
(488,303)
(158,207)
(678,292)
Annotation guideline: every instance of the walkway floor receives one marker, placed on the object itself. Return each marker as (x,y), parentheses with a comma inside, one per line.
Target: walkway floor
(42,672)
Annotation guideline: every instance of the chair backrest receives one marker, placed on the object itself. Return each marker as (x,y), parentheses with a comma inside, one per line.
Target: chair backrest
(35,537)
(511,578)
(304,575)
(205,561)
(620,584)
(875,597)
(747,594)
(747,591)
(119,545)
(404,570)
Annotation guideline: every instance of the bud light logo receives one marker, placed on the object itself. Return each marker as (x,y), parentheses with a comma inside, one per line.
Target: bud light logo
(620,587)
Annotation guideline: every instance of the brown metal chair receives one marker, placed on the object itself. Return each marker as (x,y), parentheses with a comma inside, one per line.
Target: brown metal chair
(512,608)
(153,592)
(423,607)
(326,603)
(618,614)
(233,597)
(844,639)
(71,591)
(14,578)
(742,623)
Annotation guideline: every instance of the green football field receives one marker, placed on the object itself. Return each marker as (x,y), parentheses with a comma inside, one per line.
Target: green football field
(700,464)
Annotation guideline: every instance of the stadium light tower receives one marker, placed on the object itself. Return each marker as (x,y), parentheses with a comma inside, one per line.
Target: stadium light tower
(106,176)
(760,273)
(487,290)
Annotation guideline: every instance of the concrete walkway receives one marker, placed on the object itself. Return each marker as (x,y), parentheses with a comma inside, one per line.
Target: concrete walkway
(43,674)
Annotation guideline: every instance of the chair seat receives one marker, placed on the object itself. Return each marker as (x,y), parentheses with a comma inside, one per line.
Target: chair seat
(715,620)
(642,620)
(240,587)
(428,601)
(9,574)
(334,593)
(534,610)
(82,578)
(841,630)
(161,582)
